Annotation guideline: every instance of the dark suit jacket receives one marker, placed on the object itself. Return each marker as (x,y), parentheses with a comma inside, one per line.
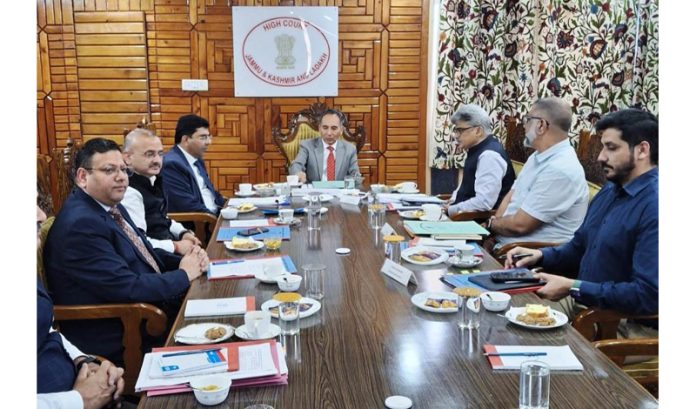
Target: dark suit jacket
(180,184)
(90,260)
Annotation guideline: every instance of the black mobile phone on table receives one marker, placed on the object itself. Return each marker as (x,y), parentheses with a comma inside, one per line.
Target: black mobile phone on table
(521,275)
(252,231)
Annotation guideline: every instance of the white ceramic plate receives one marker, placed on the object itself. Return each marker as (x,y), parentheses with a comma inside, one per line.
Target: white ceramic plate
(242,333)
(408,191)
(240,194)
(512,313)
(455,262)
(245,211)
(315,306)
(437,256)
(410,214)
(259,245)
(261,276)
(264,186)
(194,334)
(419,301)
(323,198)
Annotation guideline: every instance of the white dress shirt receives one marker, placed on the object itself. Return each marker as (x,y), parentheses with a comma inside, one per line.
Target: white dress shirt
(490,171)
(326,159)
(208,196)
(133,202)
(62,400)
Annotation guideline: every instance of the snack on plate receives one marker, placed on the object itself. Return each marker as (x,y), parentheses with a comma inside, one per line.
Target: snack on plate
(245,206)
(303,307)
(467,291)
(215,332)
(536,314)
(440,303)
(418,213)
(245,244)
(424,256)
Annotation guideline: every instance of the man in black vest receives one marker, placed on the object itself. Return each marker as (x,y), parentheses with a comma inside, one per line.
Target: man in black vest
(65,377)
(488,172)
(145,199)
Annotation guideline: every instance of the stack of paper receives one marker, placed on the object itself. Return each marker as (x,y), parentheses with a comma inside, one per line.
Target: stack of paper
(246,268)
(446,230)
(448,244)
(252,363)
(219,306)
(256,201)
(332,184)
(559,358)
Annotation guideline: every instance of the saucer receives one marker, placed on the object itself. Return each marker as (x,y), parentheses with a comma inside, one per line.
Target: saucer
(194,334)
(246,211)
(240,194)
(241,332)
(261,276)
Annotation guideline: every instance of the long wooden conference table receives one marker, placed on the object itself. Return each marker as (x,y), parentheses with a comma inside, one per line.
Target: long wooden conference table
(369,342)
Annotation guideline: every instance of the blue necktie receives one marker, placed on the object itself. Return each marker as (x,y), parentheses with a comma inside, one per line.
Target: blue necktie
(204,174)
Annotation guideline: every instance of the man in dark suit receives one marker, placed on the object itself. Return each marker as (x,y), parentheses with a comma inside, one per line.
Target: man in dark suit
(326,158)
(185,179)
(94,253)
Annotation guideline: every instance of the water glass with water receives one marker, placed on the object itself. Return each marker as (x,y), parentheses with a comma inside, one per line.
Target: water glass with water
(314,280)
(289,318)
(535,382)
(469,314)
(377,214)
(349,183)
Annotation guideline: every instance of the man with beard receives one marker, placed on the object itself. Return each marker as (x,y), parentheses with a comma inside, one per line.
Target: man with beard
(145,199)
(549,199)
(612,260)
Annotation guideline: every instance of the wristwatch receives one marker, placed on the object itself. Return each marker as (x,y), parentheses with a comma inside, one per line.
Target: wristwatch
(575,289)
(87,359)
(490,223)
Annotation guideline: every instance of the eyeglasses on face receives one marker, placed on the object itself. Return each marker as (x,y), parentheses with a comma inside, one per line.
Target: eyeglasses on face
(528,118)
(459,131)
(111,171)
(153,154)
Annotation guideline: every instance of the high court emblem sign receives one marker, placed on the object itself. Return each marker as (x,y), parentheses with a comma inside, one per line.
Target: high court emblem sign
(285,51)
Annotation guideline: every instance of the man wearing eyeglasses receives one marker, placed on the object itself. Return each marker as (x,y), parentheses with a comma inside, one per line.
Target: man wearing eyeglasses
(549,199)
(95,254)
(145,199)
(488,172)
(185,179)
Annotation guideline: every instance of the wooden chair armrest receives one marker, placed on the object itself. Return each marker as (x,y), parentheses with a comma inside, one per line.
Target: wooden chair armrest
(618,349)
(204,223)
(528,244)
(479,215)
(597,324)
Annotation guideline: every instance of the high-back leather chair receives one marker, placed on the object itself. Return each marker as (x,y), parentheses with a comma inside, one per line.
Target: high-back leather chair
(304,125)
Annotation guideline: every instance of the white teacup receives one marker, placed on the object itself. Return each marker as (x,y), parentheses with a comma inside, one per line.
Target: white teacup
(245,188)
(293,180)
(465,252)
(229,213)
(432,211)
(408,186)
(286,215)
(257,323)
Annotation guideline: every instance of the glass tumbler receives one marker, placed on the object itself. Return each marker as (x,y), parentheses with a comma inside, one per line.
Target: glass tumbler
(377,214)
(535,382)
(393,247)
(314,280)
(289,317)
(469,303)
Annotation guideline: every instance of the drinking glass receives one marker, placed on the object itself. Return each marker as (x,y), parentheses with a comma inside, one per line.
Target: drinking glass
(285,214)
(289,318)
(393,247)
(349,183)
(535,381)
(377,213)
(469,315)
(314,280)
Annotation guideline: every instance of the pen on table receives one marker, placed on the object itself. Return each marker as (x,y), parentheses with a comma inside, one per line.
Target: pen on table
(514,354)
(221,262)
(516,256)
(200,351)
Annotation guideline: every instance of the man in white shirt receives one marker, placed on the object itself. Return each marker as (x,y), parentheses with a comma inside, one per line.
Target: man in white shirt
(549,199)
(145,199)
(488,172)
(66,377)
(326,158)
(185,179)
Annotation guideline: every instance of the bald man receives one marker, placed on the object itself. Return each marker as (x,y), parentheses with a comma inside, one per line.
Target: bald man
(549,199)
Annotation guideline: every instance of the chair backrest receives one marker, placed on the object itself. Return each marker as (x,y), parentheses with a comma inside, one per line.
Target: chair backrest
(588,150)
(514,142)
(305,125)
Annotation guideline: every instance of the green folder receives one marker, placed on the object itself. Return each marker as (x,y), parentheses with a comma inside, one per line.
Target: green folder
(447,228)
(332,184)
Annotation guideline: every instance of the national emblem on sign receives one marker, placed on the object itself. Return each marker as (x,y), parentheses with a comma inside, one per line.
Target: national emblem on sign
(284,44)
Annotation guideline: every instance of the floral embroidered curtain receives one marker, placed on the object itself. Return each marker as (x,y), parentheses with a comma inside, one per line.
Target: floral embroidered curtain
(505,54)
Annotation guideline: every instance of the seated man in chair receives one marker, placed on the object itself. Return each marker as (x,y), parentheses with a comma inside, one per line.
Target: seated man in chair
(184,177)
(328,157)
(145,199)
(65,377)
(488,172)
(95,254)
(614,254)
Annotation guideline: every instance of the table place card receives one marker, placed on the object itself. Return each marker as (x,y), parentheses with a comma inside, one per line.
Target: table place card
(349,199)
(387,230)
(398,272)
